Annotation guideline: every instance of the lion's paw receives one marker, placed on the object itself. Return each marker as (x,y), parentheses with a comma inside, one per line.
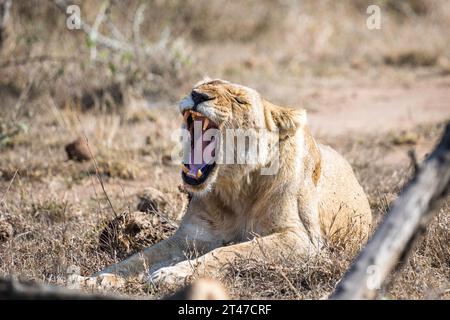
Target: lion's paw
(103,282)
(172,275)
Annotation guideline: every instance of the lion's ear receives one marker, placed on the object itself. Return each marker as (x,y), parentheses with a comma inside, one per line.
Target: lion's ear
(285,120)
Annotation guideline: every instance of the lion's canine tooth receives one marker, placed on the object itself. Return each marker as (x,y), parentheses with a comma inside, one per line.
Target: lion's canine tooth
(199,173)
(205,124)
(186,116)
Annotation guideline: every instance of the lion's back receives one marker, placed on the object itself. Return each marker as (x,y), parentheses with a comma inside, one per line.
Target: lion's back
(343,206)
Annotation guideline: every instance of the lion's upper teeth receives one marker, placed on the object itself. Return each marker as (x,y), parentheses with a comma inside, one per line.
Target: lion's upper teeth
(205,124)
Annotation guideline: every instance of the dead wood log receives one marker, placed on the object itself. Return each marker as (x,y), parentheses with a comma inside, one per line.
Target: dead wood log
(401,227)
(11,288)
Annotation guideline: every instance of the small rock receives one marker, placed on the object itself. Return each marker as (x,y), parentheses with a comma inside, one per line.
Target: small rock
(78,150)
(6,231)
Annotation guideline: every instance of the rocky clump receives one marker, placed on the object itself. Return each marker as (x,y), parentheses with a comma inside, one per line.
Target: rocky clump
(133,231)
(78,150)
(6,231)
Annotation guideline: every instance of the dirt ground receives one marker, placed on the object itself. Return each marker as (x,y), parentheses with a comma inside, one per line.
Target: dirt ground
(59,216)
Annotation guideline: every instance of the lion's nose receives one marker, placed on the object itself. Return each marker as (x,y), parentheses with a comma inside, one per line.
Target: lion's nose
(198,97)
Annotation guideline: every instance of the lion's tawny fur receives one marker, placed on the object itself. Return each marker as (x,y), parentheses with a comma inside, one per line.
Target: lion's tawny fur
(313,198)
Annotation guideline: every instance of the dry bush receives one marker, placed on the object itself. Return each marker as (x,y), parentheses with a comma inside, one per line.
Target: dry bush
(220,21)
(401,8)
(297,38)
(77,78)
(324,39)
(411,58)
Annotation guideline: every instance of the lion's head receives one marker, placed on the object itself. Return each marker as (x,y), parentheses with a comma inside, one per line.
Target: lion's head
(217,114)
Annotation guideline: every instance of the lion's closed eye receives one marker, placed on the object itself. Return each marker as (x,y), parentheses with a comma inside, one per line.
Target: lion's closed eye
(241,100)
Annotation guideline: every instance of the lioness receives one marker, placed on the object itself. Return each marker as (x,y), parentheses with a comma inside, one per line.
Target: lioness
(237,211)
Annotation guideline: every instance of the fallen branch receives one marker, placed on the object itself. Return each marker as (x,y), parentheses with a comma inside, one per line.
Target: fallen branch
(11,288)
(401,227)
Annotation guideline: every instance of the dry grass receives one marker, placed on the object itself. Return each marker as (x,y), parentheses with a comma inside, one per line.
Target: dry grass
(298,39)
(53,212)
(59,222)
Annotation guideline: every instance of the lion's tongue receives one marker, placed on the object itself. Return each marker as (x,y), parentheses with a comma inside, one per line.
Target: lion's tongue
(195,170)
(197,162)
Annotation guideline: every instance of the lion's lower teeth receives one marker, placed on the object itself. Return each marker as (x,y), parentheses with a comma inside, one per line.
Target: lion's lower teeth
(196,175)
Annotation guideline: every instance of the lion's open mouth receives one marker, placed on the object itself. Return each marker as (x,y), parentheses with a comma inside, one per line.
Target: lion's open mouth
(203,138)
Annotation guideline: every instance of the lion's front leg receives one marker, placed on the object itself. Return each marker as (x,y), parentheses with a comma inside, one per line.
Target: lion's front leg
(160,254)
(190,236)
(283,244)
